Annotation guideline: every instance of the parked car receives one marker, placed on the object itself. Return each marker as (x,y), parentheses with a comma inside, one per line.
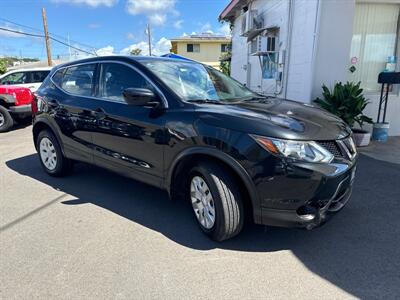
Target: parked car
(30,78)
(15,104)
(191,130)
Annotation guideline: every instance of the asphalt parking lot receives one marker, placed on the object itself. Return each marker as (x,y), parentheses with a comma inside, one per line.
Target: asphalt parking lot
(97,235)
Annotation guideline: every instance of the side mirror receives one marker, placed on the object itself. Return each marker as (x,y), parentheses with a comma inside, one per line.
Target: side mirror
(140,97)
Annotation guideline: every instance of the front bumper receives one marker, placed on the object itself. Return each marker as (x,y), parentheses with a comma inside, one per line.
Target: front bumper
(321,191)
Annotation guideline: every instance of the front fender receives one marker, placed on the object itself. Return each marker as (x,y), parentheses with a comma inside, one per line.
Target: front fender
(225,158)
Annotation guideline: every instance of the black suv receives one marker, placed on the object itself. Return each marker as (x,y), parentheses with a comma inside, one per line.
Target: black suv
(191,130)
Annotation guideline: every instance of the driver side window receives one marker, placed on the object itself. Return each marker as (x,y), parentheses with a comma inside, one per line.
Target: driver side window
(115,78)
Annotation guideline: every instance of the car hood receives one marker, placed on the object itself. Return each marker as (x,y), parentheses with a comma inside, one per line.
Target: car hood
(276,118)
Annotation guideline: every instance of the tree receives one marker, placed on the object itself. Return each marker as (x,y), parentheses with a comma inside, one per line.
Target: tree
(225,63)
(135,51)
(3,66)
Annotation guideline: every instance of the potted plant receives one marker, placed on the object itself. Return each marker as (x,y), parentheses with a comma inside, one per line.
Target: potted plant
(348,103)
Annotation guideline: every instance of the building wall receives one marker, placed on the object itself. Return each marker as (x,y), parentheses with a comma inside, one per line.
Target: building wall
(317,52)
(298,50)
(274,13)
(301,51)
(333,43)
(210,52)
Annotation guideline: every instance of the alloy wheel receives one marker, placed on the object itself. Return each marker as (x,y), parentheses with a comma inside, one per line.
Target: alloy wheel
(48,154)
(202,202)
(2,119)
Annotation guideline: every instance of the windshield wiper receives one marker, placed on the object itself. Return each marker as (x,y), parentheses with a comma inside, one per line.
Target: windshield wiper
(259,98)
(208,101)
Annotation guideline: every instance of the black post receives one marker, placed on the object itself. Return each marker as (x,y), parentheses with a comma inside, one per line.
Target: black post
(380,104)
(386,102)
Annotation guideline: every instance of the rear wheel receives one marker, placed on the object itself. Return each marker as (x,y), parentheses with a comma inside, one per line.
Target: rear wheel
(50,154)
(6,120)
(216,201)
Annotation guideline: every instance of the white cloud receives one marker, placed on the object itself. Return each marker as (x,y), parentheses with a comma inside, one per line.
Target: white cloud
(157,11)
(161,47)
(130,36)
(91,3)
(108,50)
(158,19)
(178,24)
(205,27)
(225,29)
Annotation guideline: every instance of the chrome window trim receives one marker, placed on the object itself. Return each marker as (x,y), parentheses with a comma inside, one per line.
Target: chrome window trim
(160,93)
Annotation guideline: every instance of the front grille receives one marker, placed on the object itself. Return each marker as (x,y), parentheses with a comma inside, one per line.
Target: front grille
(333,148)
(341,148)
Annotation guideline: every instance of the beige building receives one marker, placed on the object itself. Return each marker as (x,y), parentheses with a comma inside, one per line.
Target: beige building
(205,48)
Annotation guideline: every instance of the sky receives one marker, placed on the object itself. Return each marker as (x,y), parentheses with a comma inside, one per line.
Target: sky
(108,26)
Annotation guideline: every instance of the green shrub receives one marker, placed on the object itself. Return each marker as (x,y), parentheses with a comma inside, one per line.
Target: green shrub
(345,101)
(3,66)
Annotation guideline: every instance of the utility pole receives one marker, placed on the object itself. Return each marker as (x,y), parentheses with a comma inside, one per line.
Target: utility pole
(149,36)
(46,37)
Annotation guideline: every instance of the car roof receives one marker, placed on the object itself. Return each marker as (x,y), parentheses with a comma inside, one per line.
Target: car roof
(28,70)
(124,57)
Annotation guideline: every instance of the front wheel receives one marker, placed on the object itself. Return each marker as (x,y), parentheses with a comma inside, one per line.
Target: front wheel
(50,154)
(216,201)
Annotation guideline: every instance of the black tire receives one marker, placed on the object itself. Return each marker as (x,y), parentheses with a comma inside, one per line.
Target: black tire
(7,120)
(229,211)
(62,165)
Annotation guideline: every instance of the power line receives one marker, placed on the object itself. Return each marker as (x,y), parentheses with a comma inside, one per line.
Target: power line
(21,32)
(50,33)
(50,37)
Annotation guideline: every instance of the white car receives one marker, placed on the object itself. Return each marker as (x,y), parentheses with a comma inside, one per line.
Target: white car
(31,78)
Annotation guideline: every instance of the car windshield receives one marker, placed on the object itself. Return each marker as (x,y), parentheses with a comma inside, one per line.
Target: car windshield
(196,82)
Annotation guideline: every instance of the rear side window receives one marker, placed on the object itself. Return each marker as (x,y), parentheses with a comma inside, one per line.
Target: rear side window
(39,76)
(115,78)
(78,80)
(15,78)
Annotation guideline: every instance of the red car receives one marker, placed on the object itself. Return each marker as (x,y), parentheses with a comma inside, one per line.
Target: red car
(15,104)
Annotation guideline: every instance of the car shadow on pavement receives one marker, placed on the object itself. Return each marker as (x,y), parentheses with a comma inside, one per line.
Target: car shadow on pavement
(358,250)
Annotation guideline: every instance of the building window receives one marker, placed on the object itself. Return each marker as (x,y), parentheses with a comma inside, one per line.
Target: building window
(374,40)
(225,48)
(193,47)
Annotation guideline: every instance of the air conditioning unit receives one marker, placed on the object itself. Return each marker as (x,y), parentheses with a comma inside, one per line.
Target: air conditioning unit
(245,17)
(258,44)
(251,21)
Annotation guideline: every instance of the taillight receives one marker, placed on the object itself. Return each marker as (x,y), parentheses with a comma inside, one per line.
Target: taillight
(34,104)
(23,97)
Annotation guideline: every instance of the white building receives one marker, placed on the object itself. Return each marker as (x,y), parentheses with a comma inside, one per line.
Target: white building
(291,47)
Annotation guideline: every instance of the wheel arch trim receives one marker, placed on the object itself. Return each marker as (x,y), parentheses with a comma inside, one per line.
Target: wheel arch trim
(45,122)
(225,158)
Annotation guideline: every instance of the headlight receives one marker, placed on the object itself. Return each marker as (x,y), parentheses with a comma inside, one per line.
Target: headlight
(300,150)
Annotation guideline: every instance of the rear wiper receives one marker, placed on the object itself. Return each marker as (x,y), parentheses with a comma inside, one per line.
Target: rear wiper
(208,101)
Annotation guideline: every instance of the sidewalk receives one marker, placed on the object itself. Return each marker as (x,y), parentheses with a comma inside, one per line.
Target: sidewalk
(389,151)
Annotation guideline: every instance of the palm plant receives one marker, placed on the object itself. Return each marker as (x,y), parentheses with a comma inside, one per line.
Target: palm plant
(345,101)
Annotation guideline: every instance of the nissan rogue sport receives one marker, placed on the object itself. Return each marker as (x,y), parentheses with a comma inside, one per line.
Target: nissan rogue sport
(200,135)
